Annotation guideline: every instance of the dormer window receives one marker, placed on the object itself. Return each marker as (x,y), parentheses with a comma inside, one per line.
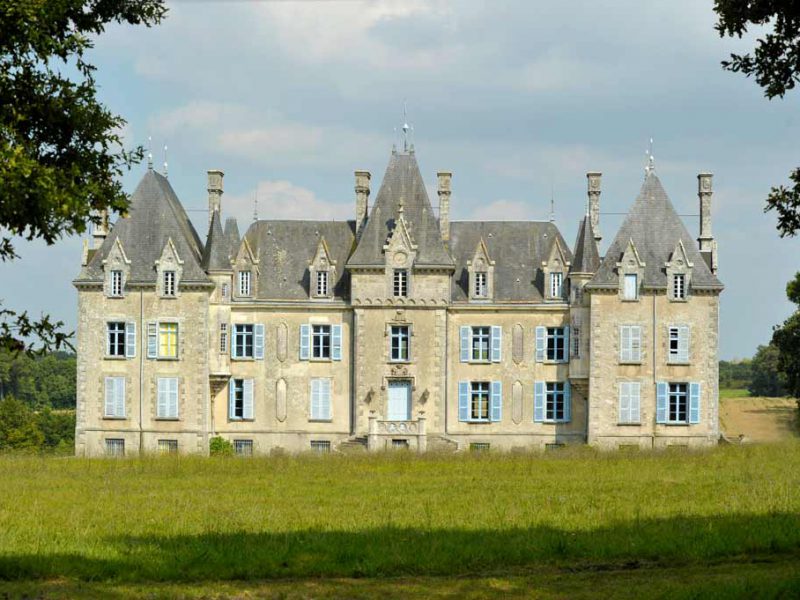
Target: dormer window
(481,274)
(225,291)
(556,285)
(679,286)
(553,270)
(116,284)
(481,285)
(322,283)
(400,286)
(245,280)
(679,274)
(631,287)
(169,283)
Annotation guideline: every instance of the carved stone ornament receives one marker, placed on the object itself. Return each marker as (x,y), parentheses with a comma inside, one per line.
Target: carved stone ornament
(399,371)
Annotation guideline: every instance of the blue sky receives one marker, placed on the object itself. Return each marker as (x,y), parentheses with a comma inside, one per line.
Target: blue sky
(518,98)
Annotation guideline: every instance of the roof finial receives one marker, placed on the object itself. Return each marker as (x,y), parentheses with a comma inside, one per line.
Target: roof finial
(401,207)
(149,153)
(406,127)
(552,203)
(255,205)
(651,160)
(166,166)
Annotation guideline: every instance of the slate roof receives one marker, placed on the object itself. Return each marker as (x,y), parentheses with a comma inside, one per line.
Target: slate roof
(217,252)
(155,215)
(655,229)
(586,258)
(402,182)
(517,249)
(232,236)
(286,248)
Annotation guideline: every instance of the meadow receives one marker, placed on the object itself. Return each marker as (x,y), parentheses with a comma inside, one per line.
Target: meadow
(570,523)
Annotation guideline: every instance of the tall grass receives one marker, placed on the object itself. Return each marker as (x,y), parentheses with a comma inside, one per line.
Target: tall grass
(191,519)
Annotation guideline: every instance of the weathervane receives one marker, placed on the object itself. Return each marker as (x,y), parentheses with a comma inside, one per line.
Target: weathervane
(166,166)
(651,160)
(255,205)
(150,152)
(406,127)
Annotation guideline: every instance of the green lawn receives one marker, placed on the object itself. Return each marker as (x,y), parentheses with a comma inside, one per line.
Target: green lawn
(725,393)
(567,524)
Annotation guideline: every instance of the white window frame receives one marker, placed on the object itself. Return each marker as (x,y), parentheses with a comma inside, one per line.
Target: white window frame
(400,283)
(677,395)
(245,283)
(630,344)
(552,336)
(678,344)
(630,292)
(629,403)
(168,398)
(177,340)
(116,284)
(678,284)
(555,402)
(321,342)
(478,392)
(223,338)
(113,346)
(322,283)
(556,284)
(575,340)
(477,335)
(481,284)
(320,408)
(225,291)
(170,283)
(397,335)
(240,332)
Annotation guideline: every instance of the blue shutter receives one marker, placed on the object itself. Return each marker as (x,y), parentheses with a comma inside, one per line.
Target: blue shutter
(465,331)
(248,399)
(305,341)
(463,401)
(130,339)
(325,399)
(110,391)
(233,340)
(694,402)
(152,339)
(567,402)
(119,396)
(258,341)
(541,343)
(566,345)
(538,401)
(661,402)
(497,401)
(231,398)
(497,343)
(336,342)
(161,408)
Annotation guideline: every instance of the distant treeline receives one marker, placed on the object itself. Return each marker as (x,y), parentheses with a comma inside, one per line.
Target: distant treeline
(759,375)
(39,382)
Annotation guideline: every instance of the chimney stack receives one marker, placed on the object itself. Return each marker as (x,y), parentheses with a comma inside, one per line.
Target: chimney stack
(100,230)
(708,245)
(214,192)
(593,179)
(362,200)
(444,177)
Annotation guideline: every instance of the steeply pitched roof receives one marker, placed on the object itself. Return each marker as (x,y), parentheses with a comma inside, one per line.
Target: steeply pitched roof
(155,216)
(216,255)
(286,248)
(402,183)
(517,249)
(586,257)
(655,229)
(232,236)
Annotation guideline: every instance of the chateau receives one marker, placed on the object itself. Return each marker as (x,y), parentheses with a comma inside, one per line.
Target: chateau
(398,329)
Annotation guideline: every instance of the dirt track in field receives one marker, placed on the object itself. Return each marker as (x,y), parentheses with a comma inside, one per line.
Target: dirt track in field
(759,419)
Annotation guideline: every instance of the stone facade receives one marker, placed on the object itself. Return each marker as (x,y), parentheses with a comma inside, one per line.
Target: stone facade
(395,330)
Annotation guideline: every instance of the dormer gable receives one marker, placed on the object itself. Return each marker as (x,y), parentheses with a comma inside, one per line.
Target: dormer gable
(169,271)
(117,270)
(679,273)
(630,270)
(400,250)
(246,271)
(322,272)
(481,274)
(555,270)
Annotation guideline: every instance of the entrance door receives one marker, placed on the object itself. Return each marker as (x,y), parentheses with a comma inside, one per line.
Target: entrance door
(399,401)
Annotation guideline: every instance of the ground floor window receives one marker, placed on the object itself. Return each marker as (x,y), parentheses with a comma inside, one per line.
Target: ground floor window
(168,446)
(115,447)
(555,408)
(479,401)
(243,447)
(479,447)
(321,446)
(678,407)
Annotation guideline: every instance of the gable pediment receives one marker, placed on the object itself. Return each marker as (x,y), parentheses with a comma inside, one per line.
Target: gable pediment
(556,258)
(323,259)
(630,258)
(116,256)
(679,259)
(481,260)
(169,256)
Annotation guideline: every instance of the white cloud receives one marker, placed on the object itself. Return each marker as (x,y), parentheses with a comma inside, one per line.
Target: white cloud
(281,199)
(506,210)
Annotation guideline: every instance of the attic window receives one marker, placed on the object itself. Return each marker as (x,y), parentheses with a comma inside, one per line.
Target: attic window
(631,289)
(679,286)
(556,283)
(400,283)
(169,283)
(244,283)
(481,286)
(322,283)
(116,283)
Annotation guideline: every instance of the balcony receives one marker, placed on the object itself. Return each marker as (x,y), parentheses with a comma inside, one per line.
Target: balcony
(385,434)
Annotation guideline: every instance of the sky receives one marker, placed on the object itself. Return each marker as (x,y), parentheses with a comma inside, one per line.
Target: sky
(518,98)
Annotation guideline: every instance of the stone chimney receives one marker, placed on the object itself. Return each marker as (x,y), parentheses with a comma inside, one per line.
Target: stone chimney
(708,245)
(444,178)
(100,230)
(593,179)
(362,200)
(214,192)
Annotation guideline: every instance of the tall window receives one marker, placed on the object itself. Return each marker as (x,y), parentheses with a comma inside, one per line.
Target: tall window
(322,283)
(481,287)
(479,401)
(116,339)
(679,286)
(399,337)
(237,399)
(115,447)
(114,398)
(400,283)
(678,407)
(167,405)
(225,291)
(321,341)
(556,344)
(244,283)
(630,344)
(555,403)
(556,283)
(631,289)
(629,393)
(223,338)
(243,341)
(320,399)
(481,337)
(576,342)
(168,340)
(116,283)
(169,283)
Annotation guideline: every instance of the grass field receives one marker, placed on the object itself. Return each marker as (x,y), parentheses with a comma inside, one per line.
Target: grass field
(726,393)
(573,523)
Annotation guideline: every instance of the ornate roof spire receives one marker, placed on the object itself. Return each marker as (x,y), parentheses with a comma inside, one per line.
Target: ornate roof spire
(651,160)
(149,153)
(406,129)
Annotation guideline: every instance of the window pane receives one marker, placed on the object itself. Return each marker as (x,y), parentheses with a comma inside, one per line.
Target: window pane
(168,340)
(631,287)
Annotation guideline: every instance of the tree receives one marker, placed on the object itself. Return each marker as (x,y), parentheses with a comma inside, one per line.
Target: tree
(18,430)
(786,339)
(775,63)
(61,153)
(767,380)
